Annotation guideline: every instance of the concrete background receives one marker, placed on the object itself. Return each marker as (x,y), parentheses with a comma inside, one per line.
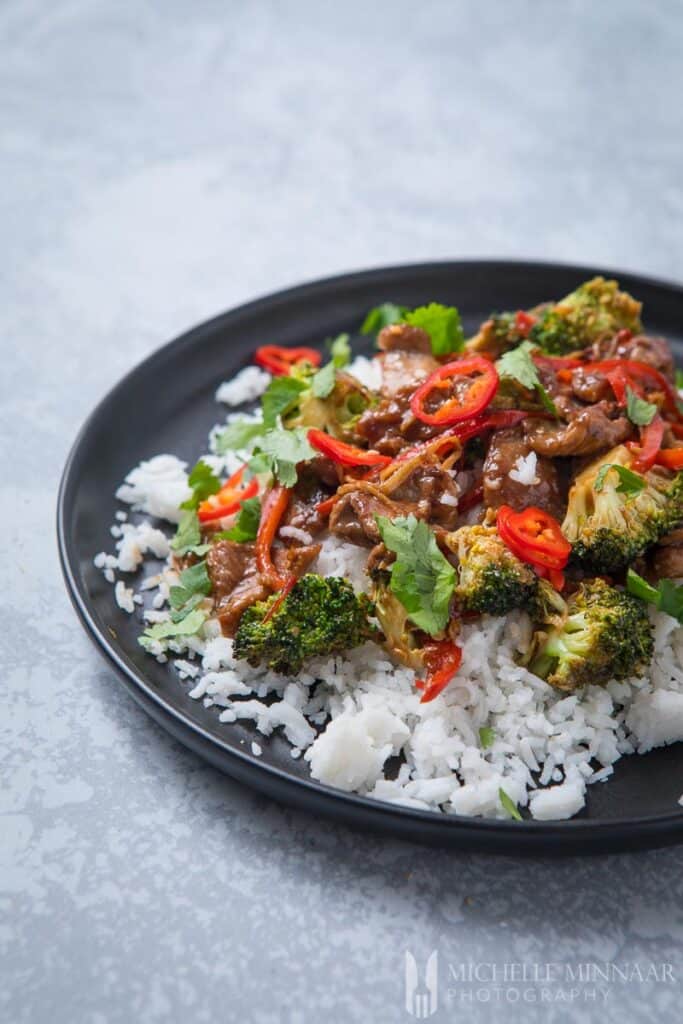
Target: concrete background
(162,162)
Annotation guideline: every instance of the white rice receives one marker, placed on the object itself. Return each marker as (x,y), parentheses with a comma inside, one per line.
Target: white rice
(524,470)
(247,386)
(350,715)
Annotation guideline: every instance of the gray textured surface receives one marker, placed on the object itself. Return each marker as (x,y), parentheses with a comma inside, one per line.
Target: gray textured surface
(162,162)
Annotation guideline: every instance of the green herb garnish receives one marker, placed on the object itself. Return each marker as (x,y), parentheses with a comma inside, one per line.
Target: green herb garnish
(519,365)
(666,596)
(422,579)
(382,316)
(279,451)
(509,805)
(188,625)
(630,483)
(486,736)
(203,482)
(247,523)
(442,324)
(188,536)
(638,410)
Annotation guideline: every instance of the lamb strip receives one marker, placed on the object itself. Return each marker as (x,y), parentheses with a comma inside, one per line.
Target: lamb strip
(592,429)
(667,560)
(237,584)
(404,338)
(505,448)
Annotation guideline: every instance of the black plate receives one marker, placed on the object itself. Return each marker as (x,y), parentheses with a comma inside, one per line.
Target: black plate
(167,405)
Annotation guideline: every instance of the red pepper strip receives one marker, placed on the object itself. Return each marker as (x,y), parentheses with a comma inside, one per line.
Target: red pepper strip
(557,362)
(483,385)
(273,508)
(289,583)
(345,454)
(554,576)
(672,458)
(279,361)
(470,498)
(676,429)
(641,372)
(524,322)
(534,536)
(323,508)
(442,661)
(227,500)
(645,454)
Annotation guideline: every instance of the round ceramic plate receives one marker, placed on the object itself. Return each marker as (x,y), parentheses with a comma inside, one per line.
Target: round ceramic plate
(167,405)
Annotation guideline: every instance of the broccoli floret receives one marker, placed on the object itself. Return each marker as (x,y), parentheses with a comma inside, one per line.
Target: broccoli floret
(497,334)
(490,578)
(320,615)
(608,529)
(605,635)
(596,308)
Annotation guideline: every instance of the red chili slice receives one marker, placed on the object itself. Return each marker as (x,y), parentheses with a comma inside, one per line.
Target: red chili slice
(273,508)
(277,603)
(672,458)
(279,361)
(534,536)
(228,499)
(345,454)
(524,322)
(557,362)
(483,384)
(645,454)
(442,661)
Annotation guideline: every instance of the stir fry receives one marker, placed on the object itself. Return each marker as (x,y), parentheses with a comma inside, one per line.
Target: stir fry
(534,467)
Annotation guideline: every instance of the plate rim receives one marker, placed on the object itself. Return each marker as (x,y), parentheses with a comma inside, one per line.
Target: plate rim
(601,835)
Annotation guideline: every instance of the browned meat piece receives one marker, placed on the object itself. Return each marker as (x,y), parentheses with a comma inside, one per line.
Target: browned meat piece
(667,561)
(589,431)
(641,347)
(391,426)
(500,489)
(226,563)
(424,483)
(404,371)
(295,559)
(590,387)
(236,583)
(405,338)
(309,492)
(353,516)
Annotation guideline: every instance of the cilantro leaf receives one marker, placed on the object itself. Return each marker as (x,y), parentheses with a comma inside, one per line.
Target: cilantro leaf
(442,324)
(422,579)
(279,451)
(486,736)
(509,805)
(679,379)
(238,435)
(247,524)
(323,382)
(188,536)
(667,596)
(638,410)
(203,482)
(280,397)
(192,581)
(340,350)
(630,483)
(382,316)
(519,365)
(188,625)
